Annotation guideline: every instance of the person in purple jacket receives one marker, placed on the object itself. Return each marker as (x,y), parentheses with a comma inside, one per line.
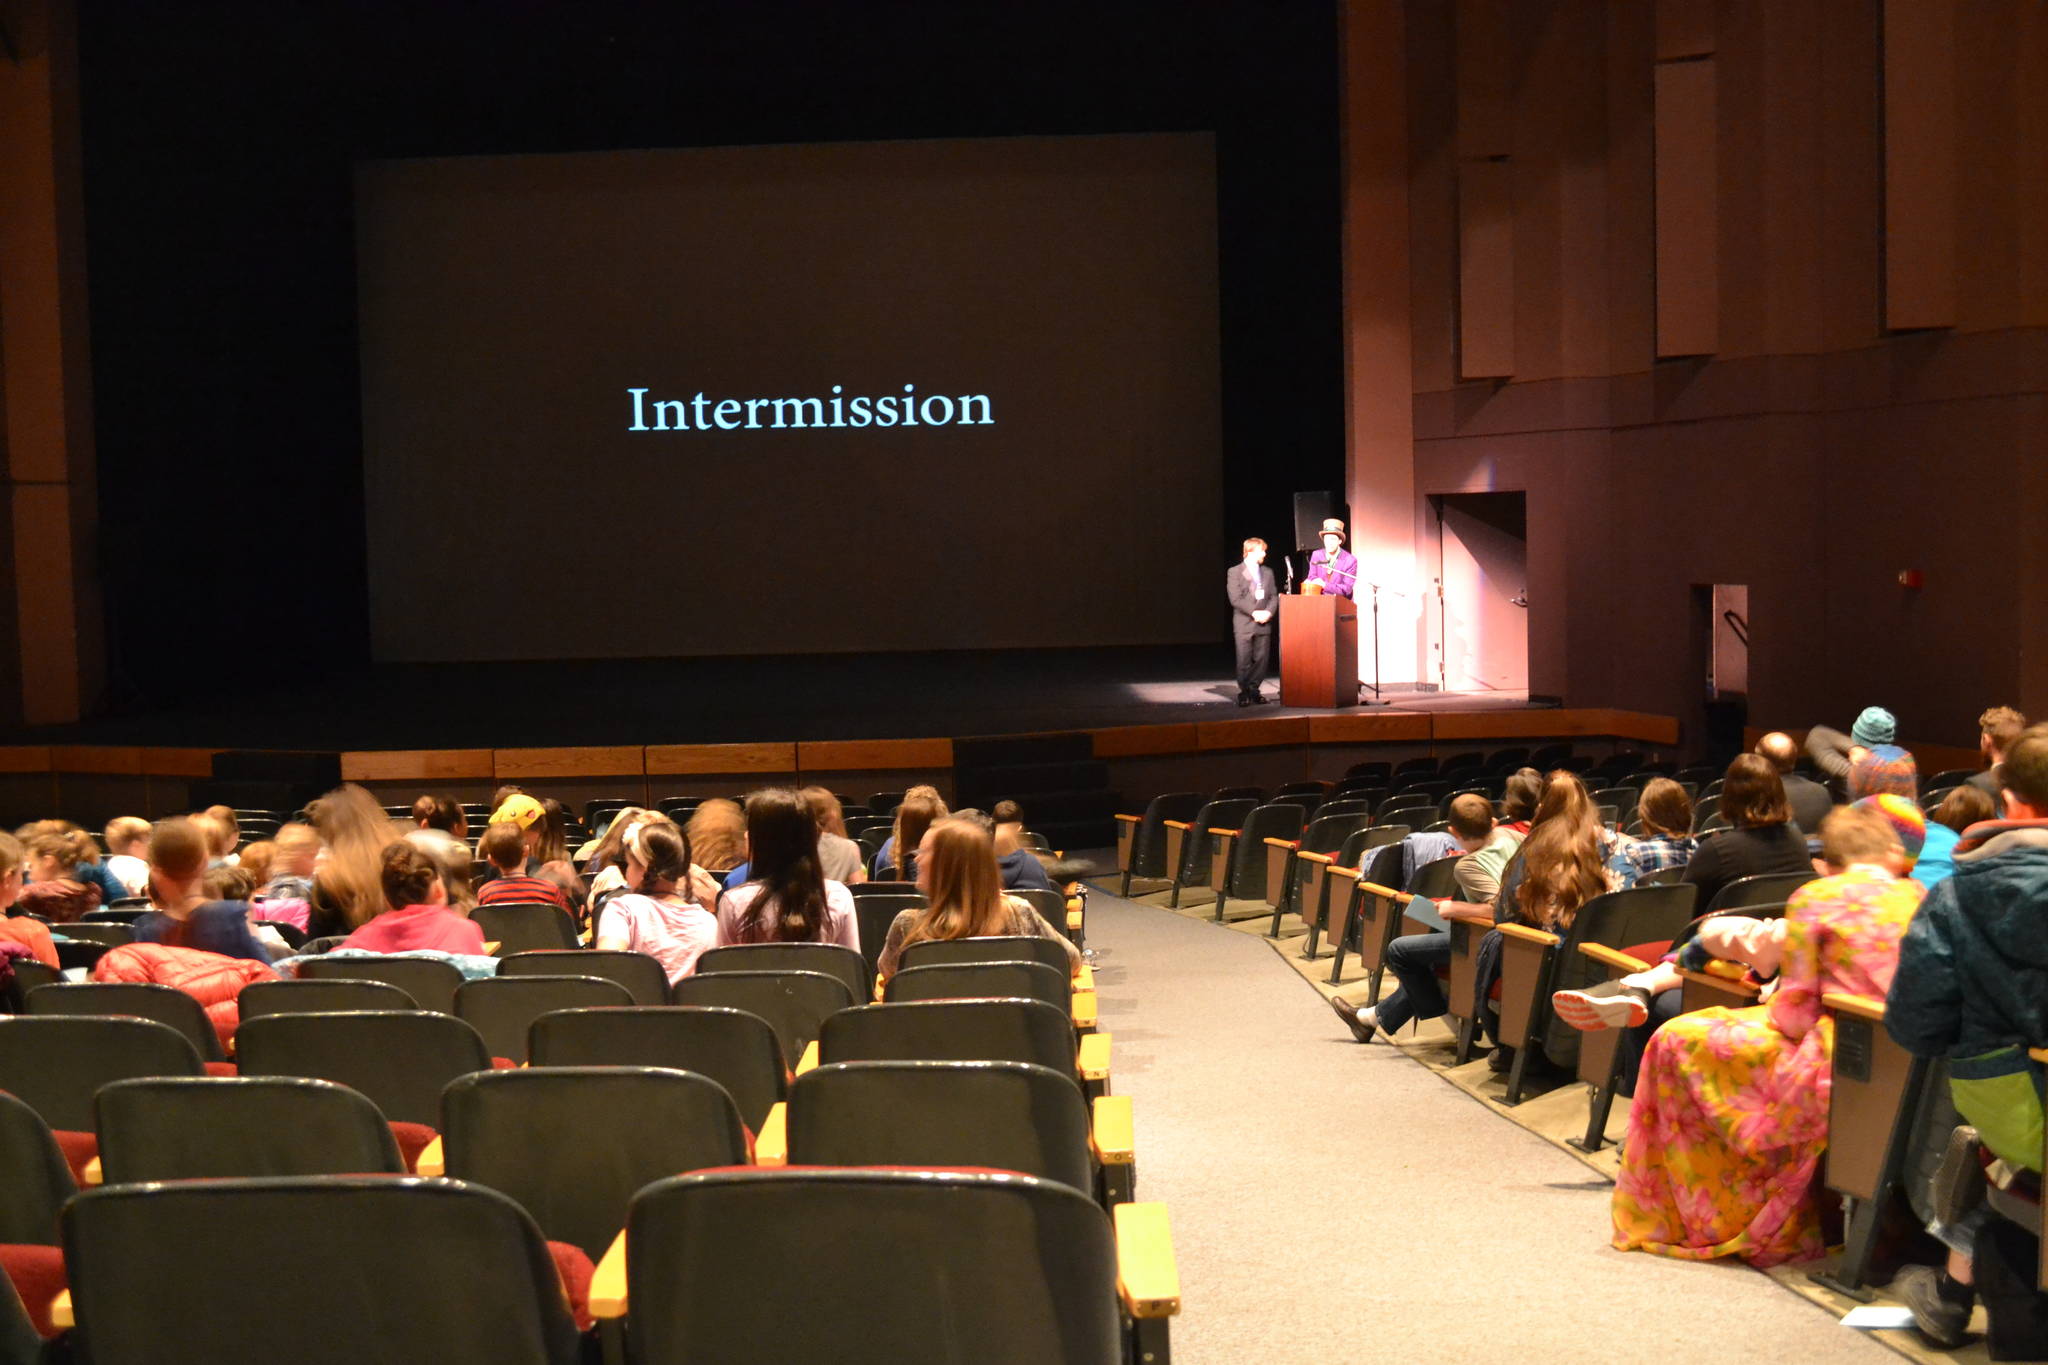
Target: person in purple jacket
(1333,568)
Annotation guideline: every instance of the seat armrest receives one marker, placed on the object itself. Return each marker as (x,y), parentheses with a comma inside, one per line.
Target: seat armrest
(771,1144)
(1862,1006)
(1375,889)
(61,1316)
(1074,919)
(1110,1133)
(608,1284)
(1084,1009)
(1225,833)
(809,1061)
(1351,872)
(1293,845)
(1146,1277)
(1132,819)
(1528,935)
(1091,1059)
(1311,856)
(1715,981)
(491,946)
(1178,824)
(92,1174)
(1084,980)
(2039,1054)
(1613,957)
(432,1161)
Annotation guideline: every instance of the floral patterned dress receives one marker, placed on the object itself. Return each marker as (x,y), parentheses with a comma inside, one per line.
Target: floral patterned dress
(1730,1118)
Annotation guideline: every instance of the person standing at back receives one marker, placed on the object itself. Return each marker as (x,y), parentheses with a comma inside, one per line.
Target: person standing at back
(1253,600)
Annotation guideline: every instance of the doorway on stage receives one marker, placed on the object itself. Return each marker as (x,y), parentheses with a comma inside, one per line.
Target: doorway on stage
(1478,619)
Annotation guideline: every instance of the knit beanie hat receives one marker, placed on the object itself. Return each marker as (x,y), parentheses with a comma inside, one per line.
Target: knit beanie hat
(1874,727)
(1886,768)
(1907,820)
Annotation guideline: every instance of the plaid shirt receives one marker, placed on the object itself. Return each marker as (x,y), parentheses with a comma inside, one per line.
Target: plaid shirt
(1632,859)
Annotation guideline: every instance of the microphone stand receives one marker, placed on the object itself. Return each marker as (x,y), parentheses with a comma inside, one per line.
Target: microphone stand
(1378,699)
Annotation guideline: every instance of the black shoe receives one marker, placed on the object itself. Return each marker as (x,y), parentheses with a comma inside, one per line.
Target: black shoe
(1361,1029)
(1245,699)
(1501,1061)
(1943,1320)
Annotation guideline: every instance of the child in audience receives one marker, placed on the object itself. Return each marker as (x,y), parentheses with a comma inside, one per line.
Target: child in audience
(1730,1116)
(59,889)
(416,912)
(788,899)
(32,934)
(1664,813)
(186,913)
(1967,805)
(718,833)
(226,835)
(256,860)
(838,855)
(127,839)
(294,859)
(657,916)
(921,806)
(1524,792)
(958,873)
(504,847)
(1021,866)
(348,887)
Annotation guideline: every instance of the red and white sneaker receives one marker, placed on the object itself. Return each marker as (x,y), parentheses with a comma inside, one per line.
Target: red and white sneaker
(1594,1012)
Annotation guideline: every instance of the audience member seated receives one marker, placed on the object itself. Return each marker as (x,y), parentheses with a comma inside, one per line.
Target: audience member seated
(61,888)
(1023,869)
(294,858)
(1763,839)
(1967,805)
(454,864)
(1972,987)
(223,834)
(1884,769)
(1810,801)
(257,859)
(438,822)
(921,806)
(348,884)
(1665,815)
(31,934)
(1416,958)
(1834,752)
(657,915)
(837,854)
(1998,729)
(1523,793)
(606,854)
(958,873)
(127,858)
(416,912)
(504,847)
(551,851)
(1729,1121)
(703,887)
(185,913)
(718,835)
(787,898)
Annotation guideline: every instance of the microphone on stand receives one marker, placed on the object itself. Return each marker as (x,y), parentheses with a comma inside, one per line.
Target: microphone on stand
(1288,560)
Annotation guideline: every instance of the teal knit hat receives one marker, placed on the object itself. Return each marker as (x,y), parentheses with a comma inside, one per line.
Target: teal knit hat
(1874,727)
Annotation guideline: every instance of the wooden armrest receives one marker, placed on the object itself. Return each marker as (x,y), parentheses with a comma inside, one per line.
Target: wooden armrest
(92,1174)
(1528,935)
(1718,982)
(771,1144)
(1074,919)
(61,1316)
(608,1284)
(1110,1132)
(1091,1059)
(1225,833)
(1375,889)
(1084,980)
(1293,845)
(491,946)
(1146,1276)
(1862,1006)
(1613,957)
(2039,1054)
(1178,824)
(809,1061)
(1311,856)
(1132,819)
(431,1159)
(1352,872)
(1084,1009)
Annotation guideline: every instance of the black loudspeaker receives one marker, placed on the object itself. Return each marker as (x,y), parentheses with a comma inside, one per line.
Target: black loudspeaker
(1310,511)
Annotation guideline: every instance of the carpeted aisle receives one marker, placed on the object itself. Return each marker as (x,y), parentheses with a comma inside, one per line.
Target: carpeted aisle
(1339,1203)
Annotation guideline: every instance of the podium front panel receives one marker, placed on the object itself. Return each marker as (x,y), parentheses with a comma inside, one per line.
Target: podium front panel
(1318,651)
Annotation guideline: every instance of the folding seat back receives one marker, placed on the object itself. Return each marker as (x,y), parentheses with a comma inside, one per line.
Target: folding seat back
(1373,771)
(115,914)
(1195,841)
(432,1270)
(642,976)
(522,926)
(399,1060)
(793,1003)
(216,1127)
(1245,876)
(951,1031)
(259,998)
(431,982)
(1146,856)
(165,1004)
(1550,756)
(862,889)
(20,1341)
(56,1063)
(858,824)
(1051,905)
(884,803)
(502,1008)
(829,958)
(1507,760)
(1011,1116)
(102,932)
(873,914)
(1437,880)
(38,1177)
(735,1048)
(984,981)
(603,808)
(1022,1269)
(574,1144)
(995,948)
(29,974)
(1764,888)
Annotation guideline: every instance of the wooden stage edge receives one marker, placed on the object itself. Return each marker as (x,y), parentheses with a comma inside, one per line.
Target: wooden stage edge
(1411,729)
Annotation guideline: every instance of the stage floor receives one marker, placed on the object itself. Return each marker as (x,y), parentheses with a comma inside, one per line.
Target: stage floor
(714,701)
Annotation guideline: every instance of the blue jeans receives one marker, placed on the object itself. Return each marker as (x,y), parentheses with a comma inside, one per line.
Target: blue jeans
(1413,961)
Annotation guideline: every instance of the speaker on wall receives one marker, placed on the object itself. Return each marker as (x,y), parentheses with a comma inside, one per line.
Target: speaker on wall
(1311,510)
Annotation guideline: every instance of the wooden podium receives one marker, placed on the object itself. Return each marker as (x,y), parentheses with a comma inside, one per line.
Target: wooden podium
(1318,651)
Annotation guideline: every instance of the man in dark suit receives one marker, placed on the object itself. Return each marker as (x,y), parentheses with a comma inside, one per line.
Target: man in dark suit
(1253,600)
(1810,801)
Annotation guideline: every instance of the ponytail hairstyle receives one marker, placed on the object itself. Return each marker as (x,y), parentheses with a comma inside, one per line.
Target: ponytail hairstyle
(664,851)
(554,833)
(1561,864)
(783,840)
(408,876)
(68,844)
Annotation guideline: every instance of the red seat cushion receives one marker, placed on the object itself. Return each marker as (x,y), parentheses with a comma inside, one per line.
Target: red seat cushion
(38,1275)
(1494,994)
(573,1265)
(503,1064)
(78,1148)
(412,1140)
(1649,952)
(221,1068)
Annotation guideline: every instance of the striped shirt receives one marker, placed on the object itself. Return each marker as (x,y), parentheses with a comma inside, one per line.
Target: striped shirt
(524,890)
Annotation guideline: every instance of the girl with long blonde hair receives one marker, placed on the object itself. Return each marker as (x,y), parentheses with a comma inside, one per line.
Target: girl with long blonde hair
(1563,859)
(348,887)
(963,888)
